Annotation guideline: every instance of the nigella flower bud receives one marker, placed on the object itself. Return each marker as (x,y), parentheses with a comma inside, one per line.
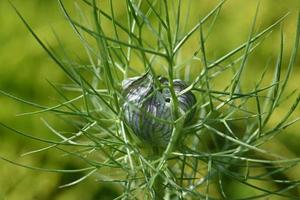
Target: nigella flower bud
(148,109)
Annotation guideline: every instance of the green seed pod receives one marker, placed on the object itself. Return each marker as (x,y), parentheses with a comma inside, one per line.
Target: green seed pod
(148,109)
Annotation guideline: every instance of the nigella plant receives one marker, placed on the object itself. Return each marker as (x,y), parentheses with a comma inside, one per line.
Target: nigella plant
(148,108)
(153,77)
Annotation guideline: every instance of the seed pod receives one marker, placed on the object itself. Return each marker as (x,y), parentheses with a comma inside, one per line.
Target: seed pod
(148,109)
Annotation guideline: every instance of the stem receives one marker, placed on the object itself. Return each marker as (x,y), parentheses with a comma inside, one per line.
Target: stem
(159,188)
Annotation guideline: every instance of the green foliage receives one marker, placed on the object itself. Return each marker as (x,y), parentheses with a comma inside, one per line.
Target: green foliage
(223,147)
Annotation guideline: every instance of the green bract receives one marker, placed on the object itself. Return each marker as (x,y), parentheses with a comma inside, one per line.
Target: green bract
(148,108)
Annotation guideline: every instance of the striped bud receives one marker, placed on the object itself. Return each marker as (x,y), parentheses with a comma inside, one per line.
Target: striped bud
(148,109)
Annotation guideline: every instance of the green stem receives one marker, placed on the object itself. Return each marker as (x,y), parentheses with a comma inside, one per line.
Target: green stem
(159,188)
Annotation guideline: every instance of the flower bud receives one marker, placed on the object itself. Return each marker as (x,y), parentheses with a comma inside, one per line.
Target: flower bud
(148,108)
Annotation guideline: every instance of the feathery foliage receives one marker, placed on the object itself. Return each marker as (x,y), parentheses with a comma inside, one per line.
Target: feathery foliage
(223,144)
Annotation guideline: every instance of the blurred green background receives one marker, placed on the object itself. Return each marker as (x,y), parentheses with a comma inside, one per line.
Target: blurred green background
(25,69)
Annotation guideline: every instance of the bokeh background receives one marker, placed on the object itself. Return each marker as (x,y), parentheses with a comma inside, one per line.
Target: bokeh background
(25,69)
